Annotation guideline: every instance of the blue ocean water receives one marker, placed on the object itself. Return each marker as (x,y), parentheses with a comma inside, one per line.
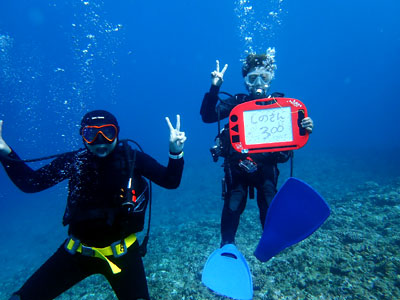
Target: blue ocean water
(147,60)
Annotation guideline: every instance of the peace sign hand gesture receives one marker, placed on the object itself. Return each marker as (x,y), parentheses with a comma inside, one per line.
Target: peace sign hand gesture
(176,137)
(217,77)
(4,148)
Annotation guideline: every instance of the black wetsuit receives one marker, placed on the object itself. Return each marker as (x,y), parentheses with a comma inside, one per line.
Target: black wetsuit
(94,215)
(238,181)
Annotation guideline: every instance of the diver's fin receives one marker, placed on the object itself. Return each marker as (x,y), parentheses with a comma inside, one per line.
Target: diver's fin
(226,273)
(295,213)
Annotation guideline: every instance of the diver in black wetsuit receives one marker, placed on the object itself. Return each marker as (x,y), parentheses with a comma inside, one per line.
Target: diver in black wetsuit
(103,211)
(244,172)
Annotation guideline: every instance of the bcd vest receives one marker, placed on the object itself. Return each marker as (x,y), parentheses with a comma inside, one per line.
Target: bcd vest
(98,190)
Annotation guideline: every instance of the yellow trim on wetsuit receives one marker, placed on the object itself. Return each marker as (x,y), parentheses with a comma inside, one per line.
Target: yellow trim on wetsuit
(116,249)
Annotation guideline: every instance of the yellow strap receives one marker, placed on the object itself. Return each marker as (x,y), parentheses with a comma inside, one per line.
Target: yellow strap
(70,244)
(107,251)
(114,267)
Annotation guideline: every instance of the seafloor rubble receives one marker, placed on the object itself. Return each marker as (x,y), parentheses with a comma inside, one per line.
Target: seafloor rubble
(354,255)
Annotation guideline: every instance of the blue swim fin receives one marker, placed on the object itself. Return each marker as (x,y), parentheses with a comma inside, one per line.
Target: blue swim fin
(226,273)
(294,214)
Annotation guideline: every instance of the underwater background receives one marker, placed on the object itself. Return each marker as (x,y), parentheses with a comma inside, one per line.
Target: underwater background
(144,60)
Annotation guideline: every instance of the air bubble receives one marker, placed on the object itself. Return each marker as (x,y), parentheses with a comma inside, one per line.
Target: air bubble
(258,23)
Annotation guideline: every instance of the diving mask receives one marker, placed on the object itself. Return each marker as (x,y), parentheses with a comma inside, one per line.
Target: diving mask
(108,131)
(258,81)
(258,78)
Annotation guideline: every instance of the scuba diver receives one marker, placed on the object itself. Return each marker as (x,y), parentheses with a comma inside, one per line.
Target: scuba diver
(107,199)
(244,172)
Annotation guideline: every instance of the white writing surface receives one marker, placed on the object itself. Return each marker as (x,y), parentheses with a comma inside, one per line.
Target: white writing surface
(271,125)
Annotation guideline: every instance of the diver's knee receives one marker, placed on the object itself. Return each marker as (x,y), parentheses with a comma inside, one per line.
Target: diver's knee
(234,202)
(234,205)
(236,199)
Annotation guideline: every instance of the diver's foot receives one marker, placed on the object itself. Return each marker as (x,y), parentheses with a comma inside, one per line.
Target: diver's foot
(223,243)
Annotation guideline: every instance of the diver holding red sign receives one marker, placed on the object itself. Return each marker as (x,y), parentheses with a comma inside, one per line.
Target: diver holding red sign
(244,172)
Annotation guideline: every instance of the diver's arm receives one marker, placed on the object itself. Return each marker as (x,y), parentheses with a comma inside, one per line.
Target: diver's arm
(170,176)
(27,179)
(217,76)
(208,106)
(177,137)
(307,124)
(4,148)
(208,110)
(32,181)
